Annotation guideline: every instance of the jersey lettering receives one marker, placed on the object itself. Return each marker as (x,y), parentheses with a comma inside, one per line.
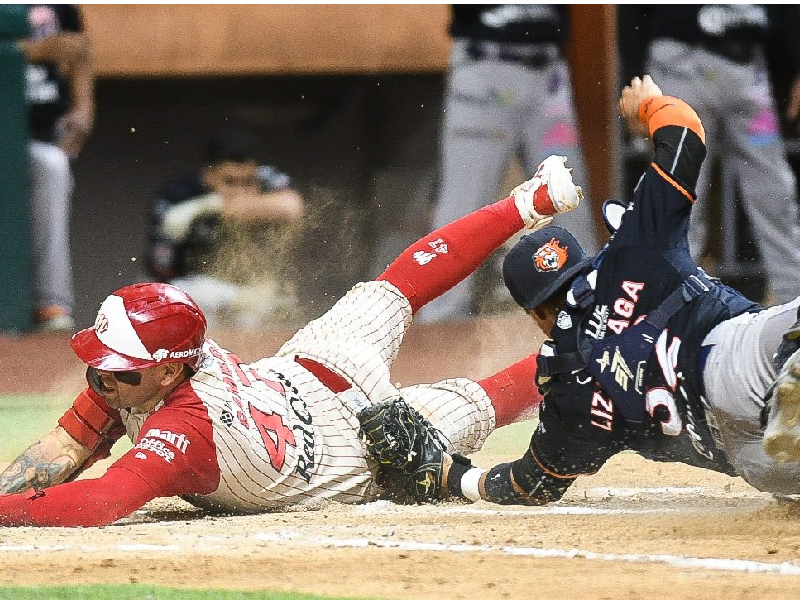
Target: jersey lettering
(439,246)
(632,288)
(602,412)
(598,322)
(236,362)
(230,384)
(624,307)
(278,387)
(423,258)
(618,325)
(275,435)
(304,430)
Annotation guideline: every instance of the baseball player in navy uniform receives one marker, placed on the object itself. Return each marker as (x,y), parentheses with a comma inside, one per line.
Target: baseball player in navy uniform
(646,352)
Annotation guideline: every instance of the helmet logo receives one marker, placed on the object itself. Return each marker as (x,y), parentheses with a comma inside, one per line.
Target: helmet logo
(101,323)
(160,354)
(550,256)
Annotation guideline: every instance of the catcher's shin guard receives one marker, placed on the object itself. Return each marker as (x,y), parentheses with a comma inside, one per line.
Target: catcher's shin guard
(782,433)
(407,447)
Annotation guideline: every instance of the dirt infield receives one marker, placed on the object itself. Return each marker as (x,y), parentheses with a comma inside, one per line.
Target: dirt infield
(637,529)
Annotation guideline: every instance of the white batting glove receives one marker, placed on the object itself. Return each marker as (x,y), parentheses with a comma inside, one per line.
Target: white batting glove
(550,191)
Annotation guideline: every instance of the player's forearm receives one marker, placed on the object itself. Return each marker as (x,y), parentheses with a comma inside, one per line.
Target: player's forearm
(678,138)
(48,462)
(441,259)
(524,481)
(86,503)
(663,111)
(280,206)
(82,81)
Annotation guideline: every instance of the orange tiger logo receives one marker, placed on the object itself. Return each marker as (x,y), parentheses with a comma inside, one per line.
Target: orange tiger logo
(550,256)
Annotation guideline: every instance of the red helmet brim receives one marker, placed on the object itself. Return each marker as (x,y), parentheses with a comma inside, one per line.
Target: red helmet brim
(94,353)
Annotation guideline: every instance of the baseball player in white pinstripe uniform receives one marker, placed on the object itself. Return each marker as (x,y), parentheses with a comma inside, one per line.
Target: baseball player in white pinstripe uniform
(237,438)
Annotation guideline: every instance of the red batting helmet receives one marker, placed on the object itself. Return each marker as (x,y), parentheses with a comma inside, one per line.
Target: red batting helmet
(143,325)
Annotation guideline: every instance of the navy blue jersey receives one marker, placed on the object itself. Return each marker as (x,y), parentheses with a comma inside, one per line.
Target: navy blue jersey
(583,423)
(511,23)
(645,261)
(47,89)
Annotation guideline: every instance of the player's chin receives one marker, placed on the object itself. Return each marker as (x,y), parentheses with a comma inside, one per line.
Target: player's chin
(113,399)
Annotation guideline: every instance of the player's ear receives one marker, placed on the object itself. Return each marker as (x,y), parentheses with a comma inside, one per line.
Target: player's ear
(173,373)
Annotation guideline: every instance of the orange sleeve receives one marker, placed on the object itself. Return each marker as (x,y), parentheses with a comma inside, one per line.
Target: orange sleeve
(659,111)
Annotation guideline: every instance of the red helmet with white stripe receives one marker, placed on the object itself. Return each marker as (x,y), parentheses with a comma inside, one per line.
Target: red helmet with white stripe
(143,325)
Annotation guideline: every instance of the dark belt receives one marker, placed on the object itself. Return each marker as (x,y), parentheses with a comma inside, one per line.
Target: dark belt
(534,60)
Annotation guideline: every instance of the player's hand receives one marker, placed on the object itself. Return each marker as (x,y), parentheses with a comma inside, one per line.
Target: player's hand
(550,191)
(632,97)
(73,129)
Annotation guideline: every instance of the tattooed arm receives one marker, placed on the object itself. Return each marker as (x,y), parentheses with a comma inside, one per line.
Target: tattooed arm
(50,461)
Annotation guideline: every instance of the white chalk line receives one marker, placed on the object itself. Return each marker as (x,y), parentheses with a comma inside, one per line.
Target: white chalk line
(557,510)
(714,564)
(382,508)
(623,492)
(711,564)
(595,493)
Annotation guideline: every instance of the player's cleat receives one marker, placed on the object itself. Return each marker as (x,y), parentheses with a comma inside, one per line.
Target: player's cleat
(782,434)
(408,448)
(549,192)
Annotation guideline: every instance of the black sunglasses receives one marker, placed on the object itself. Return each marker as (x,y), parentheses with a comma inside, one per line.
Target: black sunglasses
(132,378)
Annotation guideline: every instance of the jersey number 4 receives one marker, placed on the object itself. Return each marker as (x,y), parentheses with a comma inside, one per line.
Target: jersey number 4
(275,435)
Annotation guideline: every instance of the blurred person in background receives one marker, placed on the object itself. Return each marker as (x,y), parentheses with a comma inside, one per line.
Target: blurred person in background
(223,235)
(60,95)
(509,95)
(713,56)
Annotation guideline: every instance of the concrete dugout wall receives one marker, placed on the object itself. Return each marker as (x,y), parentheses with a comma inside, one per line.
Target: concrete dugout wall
(348,97)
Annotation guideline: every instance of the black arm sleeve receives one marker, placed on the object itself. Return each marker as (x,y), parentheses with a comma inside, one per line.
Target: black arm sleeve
(680,153)
(525,481)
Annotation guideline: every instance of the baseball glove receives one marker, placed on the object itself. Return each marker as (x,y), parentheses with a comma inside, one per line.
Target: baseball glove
(409,450)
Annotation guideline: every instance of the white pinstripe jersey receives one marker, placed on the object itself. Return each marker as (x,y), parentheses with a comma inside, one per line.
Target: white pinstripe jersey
(265,435)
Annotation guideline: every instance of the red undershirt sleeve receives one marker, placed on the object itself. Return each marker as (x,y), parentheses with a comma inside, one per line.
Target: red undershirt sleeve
(438,261)
(513,391)
(174,455)
(86,503)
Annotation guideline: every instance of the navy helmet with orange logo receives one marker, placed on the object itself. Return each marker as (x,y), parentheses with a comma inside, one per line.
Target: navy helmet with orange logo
(542,263)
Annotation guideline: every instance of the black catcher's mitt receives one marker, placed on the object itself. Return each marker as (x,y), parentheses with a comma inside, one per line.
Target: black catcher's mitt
(408,448)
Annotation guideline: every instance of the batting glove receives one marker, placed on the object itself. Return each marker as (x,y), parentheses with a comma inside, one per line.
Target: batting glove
(550,191)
